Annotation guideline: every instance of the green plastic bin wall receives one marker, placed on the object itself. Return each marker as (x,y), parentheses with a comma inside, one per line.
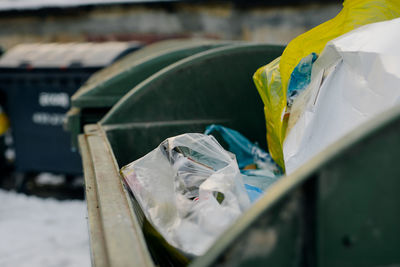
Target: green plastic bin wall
(340,209)
(92,101)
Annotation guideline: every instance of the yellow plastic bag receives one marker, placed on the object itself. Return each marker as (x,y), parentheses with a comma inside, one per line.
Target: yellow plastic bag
(269,86)
(272,80)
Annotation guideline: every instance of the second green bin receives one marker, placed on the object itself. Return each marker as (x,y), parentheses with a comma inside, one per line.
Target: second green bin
(92,101)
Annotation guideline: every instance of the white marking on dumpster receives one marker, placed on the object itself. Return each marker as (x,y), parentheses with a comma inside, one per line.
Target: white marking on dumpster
(44,118)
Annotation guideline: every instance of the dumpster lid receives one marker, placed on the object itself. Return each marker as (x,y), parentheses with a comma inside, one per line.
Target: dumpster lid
(45,55)
(105,87)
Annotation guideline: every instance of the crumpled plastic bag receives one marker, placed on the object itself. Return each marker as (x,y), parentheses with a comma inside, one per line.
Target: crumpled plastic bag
(268,82)
(190,190)
(356,78)
(272,80)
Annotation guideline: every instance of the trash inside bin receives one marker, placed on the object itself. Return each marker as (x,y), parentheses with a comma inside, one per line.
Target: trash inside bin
(190,190)
(359,83)
(258,169)
(92,101)
(38,80)
(249,155)
(273,79)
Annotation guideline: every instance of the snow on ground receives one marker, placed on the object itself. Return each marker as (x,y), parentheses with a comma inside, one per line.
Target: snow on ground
(39,232)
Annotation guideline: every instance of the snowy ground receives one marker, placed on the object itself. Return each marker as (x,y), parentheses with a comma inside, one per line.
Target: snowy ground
(39,232)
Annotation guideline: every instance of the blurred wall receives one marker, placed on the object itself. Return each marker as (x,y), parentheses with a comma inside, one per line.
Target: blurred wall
(152,22)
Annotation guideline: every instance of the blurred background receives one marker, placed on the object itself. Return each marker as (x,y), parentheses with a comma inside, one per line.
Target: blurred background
(49,49)
(273,21)
(136,24)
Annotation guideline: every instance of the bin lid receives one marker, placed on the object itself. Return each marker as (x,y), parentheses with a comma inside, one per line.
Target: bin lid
(108,85)
(50,55)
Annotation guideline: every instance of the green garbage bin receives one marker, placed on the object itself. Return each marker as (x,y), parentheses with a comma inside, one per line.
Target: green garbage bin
(211,87)
(340,209)
(92,101)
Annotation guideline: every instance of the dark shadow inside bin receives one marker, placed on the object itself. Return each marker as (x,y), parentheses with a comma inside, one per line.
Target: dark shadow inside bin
(215,86)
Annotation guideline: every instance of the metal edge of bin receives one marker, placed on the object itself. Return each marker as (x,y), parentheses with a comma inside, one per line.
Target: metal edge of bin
(97,246)
(124,243)
(287,185)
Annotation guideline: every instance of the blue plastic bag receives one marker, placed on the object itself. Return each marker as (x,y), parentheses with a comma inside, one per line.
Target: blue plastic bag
(300,77)
(249,154)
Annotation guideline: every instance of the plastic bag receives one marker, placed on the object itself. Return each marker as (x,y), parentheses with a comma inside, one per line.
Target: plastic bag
(268,82)
(356,77)
(300,78)
(272,80)
(190,190)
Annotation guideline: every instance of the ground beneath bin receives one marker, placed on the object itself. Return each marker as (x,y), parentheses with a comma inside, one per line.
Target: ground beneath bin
(42,232)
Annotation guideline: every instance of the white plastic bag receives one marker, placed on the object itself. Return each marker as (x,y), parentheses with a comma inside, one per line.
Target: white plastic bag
(356,77)
(190,190)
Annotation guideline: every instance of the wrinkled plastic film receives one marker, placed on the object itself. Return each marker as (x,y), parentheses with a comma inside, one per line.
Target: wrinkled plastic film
(190,190)
(268,82)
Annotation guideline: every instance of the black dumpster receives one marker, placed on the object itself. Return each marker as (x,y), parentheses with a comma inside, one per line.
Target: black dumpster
(38,81)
